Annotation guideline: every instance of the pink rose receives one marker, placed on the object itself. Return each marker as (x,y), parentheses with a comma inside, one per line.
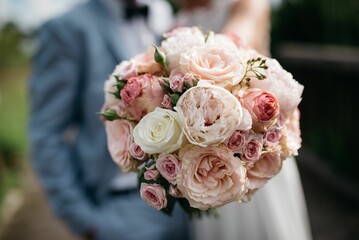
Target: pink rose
(145,62)
(118,106)
(151,173)
(214,64)
(176,81)
(211,176)
(137,152)
(119,139)
(236,142)
(154,195)
(253,147)
(142,95)
(131,90)
(263,107)
(166,102)
(168,165)
(125,70)
(272,137)
(268,165)
(282,84)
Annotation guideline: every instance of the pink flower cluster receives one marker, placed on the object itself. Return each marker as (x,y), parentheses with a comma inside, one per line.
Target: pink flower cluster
(203,120)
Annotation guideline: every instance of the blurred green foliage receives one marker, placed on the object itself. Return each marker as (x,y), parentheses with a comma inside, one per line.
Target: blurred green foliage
(14,67)
(316,21)
(328,109)
(11,39)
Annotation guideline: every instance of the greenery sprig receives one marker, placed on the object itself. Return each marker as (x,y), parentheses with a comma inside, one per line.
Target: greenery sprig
(254,67)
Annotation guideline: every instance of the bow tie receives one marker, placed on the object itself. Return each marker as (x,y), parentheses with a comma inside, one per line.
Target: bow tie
(133,11)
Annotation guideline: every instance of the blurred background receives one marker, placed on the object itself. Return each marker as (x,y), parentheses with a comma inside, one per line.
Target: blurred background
(316,40)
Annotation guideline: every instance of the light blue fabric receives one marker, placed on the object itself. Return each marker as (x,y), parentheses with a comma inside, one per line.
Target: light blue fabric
(76,54)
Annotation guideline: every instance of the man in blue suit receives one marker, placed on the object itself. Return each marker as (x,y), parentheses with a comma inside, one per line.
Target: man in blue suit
(76,54)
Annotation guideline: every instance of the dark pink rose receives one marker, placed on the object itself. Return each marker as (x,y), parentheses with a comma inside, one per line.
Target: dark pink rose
(131,90)
(142,95)
(263,107)
(154,195)
(168,165)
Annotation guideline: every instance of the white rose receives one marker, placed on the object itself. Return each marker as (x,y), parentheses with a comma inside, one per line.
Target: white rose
(109,88)
(159,131)
(125,70)
(179,41)
(281,83)
(209,114)
(221,40)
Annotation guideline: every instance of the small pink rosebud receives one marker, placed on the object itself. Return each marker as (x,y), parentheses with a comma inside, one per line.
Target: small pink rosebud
(166,102)
(137,153)
(168,165)
(154,195)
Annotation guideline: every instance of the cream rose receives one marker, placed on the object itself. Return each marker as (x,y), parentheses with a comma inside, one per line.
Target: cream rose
(145,62)
(218,65)
(159,131)
(281,83)
(268,165)
(211,177)
(209,114)
(292,140)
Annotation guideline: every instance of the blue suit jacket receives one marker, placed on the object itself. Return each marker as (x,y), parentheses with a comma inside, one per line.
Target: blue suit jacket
(76,53)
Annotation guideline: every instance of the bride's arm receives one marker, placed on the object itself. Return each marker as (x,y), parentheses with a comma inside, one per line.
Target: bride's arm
(251,21)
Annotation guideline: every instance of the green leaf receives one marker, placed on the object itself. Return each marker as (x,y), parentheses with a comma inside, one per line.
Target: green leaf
(171,202)
(160,58)
(120,85)
(110,114)
(174,98)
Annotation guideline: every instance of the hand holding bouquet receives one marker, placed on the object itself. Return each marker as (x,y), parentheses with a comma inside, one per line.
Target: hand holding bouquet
(201,119)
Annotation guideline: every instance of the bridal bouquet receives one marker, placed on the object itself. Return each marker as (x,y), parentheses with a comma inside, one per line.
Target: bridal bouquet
(203,120)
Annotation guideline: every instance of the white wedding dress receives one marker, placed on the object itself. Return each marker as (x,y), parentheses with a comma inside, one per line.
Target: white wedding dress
(278,210)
